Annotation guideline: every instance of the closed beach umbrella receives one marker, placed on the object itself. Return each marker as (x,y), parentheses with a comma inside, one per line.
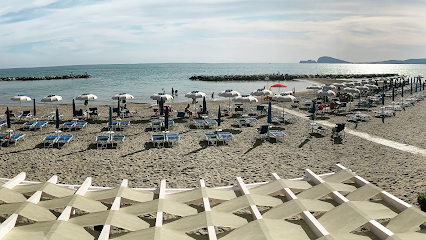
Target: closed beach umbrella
(328,86)
(283,98)
(118,107)
(269,119)
(123,96)
(161,106)
(8,118)
(110,116)
(402,89)
(34,108)
(20,98)
(411,86)
(218,117)
(204,105)
(325,93)
(229,93)
(314,86)
(313,109)
(57,118)
(166,120)
(73,108)
(158,96)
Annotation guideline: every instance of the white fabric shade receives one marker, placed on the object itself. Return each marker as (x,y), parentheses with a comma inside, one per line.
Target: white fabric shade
(229,93)
(245,99)
(158,96)
(325,92)
(52,98)
(86,96)
(123,96)
(261,92)
(195,94)
(20,98)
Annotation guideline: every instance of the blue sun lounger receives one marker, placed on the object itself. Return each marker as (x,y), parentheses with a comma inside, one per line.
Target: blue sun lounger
(15,138)
(2,123)
(277,134)
(114,125)
(67,126)
(65,139)
(211,139)
(102,142)
(199,123)
(49,141)
(155,126)
(116,139)
(124,124)
(39,125)
(158,139)
(225,137)
(79,125)
(211,123)
(172,139)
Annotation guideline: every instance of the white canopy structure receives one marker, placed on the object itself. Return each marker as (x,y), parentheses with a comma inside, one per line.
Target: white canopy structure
(86,97)
(123,96)
(229,93)
(283,98)
(52,98)
(351,90)
(158,96)
(325,92)
(20,98)
(314,86)
(329,206)
(261,92)
(328,86)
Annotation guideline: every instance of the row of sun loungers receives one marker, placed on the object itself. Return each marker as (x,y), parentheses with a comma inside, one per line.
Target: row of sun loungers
(158,124)
(246,122)
(68,126)
(49,141)
(34,125)
(203,123)
(102,142)
(159,140)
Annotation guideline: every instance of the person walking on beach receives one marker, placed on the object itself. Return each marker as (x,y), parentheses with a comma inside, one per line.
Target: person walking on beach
(173,92)
(212,95)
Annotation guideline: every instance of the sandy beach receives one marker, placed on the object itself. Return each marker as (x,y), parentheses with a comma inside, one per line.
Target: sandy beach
(399,172)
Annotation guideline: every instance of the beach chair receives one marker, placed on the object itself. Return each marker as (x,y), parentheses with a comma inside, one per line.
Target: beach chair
(263,132)
(171,124)
(39,125)
(155,126)
(114,125)
(64,139)
(338,130)
(2,123)
(124,124)
(181,114)
(116,139)
(25,114)
(172,139)
(225,137)
(384,113)
(28,125)
(3,139)
(318,129)
(49,141)
(295,104)
(211,139)
(224,113)
(79,125)
(260,109)
(210,123)
(93,114)
(199,123)
(14,138)
(102,142)
(241,122)
(277,135)
(158,140)
(250,121)
(67,126)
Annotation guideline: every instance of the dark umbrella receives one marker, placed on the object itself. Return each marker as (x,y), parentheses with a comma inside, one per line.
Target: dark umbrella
(166,120)
(218,117)
(393,94)
(416,87)
(161,106)
(8,117)
(34,107)
(118,106)
(269,120)
(204,105)
(57,118)
(383,94)
(402,88)
(73,108)
(110,116)
(313,109)
(411,87)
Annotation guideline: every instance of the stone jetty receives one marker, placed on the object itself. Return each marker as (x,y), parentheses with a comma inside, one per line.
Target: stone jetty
(35,78)
(277,77)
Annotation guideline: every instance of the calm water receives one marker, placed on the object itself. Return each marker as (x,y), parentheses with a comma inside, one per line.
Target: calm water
(143,80)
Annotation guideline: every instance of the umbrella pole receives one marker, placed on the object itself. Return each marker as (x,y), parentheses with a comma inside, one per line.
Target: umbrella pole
(20,105)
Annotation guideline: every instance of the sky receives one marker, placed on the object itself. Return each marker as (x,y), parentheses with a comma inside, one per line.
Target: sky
(35,33)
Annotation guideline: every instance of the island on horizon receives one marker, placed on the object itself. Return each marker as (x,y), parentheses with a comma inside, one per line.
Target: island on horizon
(326,59)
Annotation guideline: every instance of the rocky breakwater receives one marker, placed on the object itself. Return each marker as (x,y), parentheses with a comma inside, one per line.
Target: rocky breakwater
(35,78)
(281,77)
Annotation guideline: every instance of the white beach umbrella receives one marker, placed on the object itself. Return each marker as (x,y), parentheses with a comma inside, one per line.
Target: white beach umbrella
(245,99)
(372,86)
(194,95)
(341,84)
(123,96)
(314,86)
(51,98)
(261,92)
(351,90)
(284,97)
(20,98)
(229,93)
(86,96)
(325,93)
(349,84)
(158,96)
(328,86)
(356,83)
(362,87)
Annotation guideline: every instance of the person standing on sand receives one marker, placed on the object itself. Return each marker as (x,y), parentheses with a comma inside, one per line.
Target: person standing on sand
(173,92)
(212,95)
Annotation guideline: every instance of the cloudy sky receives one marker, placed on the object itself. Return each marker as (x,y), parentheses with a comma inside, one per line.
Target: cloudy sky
(69,32)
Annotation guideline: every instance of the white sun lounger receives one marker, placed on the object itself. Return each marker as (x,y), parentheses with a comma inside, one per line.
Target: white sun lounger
(318,129)
(114,125)
(65,139)
(102,142)
(15,138)
(158,139)
(49,141)
(277,134)
(172,139)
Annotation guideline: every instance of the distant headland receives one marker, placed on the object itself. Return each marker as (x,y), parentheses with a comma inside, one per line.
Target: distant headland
(326,59)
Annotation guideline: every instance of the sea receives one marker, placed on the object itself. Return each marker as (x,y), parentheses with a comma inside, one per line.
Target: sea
(143,80)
